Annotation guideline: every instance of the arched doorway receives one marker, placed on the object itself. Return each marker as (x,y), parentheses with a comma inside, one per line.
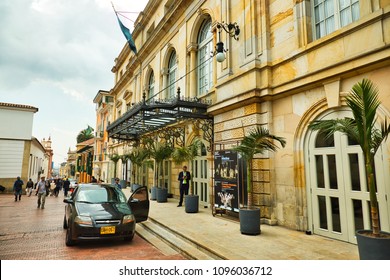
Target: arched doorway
(337,193)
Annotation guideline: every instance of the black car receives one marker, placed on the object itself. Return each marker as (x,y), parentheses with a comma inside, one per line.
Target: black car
(101,211)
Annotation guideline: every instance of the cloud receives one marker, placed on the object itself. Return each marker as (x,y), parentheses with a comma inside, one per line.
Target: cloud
(56,40)
(67,88)
(56,55)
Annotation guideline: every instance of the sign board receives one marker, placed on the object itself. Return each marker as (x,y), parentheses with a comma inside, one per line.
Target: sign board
(226,178)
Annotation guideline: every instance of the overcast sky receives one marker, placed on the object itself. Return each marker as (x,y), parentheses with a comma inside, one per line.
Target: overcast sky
(56,55)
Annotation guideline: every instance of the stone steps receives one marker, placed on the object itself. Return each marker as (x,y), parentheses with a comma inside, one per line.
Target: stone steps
(170,242)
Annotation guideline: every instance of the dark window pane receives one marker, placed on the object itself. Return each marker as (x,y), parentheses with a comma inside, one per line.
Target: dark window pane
(358,214)
(352,142)
(332,171)
(354,172)
(335,214)
(322,210)
(322,141)
(203,150)
(205,169)
(320,172)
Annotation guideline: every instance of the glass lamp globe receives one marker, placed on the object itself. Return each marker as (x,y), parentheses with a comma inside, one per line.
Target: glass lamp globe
(220,56)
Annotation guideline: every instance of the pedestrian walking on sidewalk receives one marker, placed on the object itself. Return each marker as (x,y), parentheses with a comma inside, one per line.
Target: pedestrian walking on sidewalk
(18,188)
(29,187)
(184,178)
(66,186)
(58,187)
(41,191)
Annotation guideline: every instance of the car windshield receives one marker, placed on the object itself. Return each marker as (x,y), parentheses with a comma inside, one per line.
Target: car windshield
(100,195)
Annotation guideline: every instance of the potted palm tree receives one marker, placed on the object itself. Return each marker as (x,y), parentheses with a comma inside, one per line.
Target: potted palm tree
(188,154)
(138,157)
(258,141)
(114,158)
(124,159)
(159,152)
(363,101)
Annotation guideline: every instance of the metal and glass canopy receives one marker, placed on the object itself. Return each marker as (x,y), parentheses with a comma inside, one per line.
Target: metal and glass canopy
(153,115)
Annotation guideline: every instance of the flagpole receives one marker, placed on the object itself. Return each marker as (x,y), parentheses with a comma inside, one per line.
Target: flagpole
(112,4)
(120,13)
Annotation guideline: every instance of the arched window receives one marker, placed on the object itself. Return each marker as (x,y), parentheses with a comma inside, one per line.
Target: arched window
(205,69)
(151,86)
(172,69)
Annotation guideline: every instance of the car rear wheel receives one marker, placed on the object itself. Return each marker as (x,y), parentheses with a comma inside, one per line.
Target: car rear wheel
(68,239)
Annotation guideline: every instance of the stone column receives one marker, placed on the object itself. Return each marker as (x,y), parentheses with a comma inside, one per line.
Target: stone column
(192,49)
(164,76)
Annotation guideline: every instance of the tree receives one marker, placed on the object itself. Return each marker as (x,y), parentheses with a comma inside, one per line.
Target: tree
(363,102)
(85,134)
(159,152)
(258,141)
(138,157)
(115,158)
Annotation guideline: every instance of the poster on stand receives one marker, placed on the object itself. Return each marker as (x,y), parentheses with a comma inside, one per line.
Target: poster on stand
(226,180)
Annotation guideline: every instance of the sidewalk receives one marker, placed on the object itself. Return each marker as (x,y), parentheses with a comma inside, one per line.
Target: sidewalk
(223,236)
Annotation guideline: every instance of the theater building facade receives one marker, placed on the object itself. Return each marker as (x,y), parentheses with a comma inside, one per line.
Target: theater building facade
(290,63)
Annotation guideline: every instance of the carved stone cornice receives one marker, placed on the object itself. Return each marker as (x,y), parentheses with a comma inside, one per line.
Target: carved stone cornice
(118,103)
(127,94)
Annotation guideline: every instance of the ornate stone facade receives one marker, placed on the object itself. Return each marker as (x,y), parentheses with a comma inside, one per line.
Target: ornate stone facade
(282,73)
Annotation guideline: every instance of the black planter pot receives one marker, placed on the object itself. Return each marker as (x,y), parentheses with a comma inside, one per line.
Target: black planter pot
(373,248)
(134,187)
(191,203)
(153,193)
(123,184)
(250,221)
(162,195)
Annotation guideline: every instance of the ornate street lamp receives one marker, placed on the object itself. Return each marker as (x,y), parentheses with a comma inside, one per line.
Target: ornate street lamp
(230,28)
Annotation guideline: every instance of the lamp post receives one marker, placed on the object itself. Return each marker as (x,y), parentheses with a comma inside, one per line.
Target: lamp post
(230,28)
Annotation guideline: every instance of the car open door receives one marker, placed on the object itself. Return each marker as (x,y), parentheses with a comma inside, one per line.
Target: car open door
(139,204)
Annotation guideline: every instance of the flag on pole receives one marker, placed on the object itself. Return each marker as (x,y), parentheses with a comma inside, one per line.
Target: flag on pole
(127,34)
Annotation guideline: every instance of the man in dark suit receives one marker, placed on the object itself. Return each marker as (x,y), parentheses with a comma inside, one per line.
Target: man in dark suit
(184,178)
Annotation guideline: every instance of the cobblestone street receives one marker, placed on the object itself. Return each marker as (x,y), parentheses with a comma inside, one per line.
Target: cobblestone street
(28,233)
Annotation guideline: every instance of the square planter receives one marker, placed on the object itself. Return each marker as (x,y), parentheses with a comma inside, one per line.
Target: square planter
(161,195)
(191,203)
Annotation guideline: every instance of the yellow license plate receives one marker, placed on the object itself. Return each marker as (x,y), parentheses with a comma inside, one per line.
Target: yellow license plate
(107,230)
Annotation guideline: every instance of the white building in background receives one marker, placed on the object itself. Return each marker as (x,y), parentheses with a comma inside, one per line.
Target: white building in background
(21,154)
(38,160)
